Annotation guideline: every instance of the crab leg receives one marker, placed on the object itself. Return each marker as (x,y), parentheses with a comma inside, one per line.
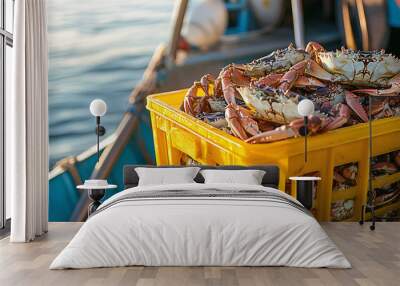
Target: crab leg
(287,131)
(269,80)
(240,121)
(314,124)
(302,81)
(394,89)
(341,119)
(233,118)
(280,133)
(306,81)
(383,110)
(248,123)
(295,76)
(379,106)
(290,77)
(315,70)
(353,102)
(190,98)
(231,77)
(228,90)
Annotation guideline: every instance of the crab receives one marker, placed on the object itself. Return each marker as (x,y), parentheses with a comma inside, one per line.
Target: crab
(271,103)
(264,70)
(372,69)
(333,111)
(276,62)
(194,104)
(274,105)
(383,168)
(320,92)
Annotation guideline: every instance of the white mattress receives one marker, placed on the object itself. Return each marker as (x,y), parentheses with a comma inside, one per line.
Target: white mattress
(191,231)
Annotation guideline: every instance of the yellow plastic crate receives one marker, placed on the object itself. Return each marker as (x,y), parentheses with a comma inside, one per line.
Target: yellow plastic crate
(177,134)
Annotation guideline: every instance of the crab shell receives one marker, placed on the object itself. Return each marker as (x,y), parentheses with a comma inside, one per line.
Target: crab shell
(276,108)
(277,61)
(216,119)
(373,68)
(217,104)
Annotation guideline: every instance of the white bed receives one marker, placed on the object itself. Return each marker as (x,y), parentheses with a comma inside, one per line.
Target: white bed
(246,225)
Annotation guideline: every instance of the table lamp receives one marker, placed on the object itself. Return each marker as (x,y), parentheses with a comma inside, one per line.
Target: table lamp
(98,108)
(305,108)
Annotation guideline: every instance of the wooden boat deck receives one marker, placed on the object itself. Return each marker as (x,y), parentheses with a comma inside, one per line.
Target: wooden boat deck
(375,257)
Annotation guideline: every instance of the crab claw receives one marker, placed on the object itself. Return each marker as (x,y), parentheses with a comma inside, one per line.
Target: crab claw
(240,121)
(313,48)
(314,124)
(306,82)
(341,119)
(394,89)
(269,80)
(383,111)
(205,81)
(317,71)
(248,123)
(190,98)
(353,102)
(218,88)
(280,133)
(232,117)
(230,78)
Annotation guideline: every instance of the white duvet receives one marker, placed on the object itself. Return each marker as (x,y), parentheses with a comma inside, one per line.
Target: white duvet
(200,231)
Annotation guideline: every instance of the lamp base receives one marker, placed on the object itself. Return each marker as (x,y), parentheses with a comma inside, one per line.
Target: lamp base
(95,195)
(305,193)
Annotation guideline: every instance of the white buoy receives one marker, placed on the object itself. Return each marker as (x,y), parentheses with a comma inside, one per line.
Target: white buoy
(205,23)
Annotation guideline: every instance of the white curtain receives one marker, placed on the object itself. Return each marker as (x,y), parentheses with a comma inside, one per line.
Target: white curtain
(26,123)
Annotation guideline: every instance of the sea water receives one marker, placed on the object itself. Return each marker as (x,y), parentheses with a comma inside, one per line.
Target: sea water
(97,49)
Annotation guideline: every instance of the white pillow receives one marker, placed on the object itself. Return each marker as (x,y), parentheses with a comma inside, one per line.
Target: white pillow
(166,176)
(246,177)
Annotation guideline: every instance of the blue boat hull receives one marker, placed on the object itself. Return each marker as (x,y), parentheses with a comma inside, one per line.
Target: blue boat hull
(63,195)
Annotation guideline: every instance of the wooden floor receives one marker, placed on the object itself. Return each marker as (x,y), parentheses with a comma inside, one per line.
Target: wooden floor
(375,257)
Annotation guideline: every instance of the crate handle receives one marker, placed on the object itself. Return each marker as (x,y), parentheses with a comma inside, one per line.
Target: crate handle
(186,142)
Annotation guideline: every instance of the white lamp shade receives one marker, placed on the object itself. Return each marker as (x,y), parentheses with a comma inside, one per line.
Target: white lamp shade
(98,107)
(305,107)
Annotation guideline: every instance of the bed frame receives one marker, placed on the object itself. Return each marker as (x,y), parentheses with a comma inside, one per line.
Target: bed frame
(271,177)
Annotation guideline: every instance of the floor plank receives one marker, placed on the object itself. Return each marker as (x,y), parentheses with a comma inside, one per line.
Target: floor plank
(375,257)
